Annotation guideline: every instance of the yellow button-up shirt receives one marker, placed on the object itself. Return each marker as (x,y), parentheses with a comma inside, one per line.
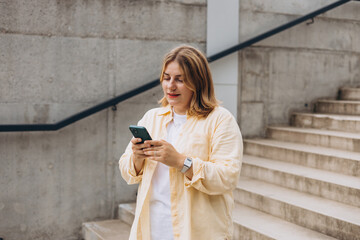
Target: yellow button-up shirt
(201,208)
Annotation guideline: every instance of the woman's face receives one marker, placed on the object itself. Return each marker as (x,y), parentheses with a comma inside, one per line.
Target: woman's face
(175,91)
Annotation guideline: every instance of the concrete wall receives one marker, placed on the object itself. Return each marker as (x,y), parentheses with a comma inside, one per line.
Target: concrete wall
(289,71)
(57,58)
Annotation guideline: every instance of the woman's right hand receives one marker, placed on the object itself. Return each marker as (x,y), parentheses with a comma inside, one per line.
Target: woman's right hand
(138,154)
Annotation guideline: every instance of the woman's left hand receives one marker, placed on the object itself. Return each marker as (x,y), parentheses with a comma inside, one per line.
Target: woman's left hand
(164,152)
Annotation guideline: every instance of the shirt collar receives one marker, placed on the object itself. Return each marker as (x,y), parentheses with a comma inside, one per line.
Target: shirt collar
(168,110)
(165,110)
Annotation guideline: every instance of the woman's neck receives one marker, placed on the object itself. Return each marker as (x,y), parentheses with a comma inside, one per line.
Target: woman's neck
(179,111)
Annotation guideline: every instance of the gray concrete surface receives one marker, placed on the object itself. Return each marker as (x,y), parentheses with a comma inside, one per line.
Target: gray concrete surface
(106,230)
(60,57)
(289,71)
(71,73)
(106,19)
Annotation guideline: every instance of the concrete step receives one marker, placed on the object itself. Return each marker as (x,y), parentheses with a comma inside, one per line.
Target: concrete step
(338,107)
(340,161)
(253,224)
(326,216)
(324,138)
(334,122)
(246,225)
(106,230)
(348,93)
(334,186)
(126,212)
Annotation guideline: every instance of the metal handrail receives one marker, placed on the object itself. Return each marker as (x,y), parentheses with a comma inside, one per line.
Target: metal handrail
(113,101)
(276,30)
(83,114)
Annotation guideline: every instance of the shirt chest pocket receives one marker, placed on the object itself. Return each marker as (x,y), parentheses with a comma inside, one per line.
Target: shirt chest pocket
(197,145)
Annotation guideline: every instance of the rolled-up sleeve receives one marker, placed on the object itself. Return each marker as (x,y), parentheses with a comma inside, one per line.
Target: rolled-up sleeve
(127,167)
(126,164)
(220,173)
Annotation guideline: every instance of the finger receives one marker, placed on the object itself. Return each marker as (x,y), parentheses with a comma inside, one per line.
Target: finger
(155,142)
(137,145)
(136,140)
(158,159)
(140,147)
(139,152)
(151,153)
(142,156)
(152,149)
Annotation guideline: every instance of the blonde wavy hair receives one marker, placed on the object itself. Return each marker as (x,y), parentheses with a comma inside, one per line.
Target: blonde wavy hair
(197,77)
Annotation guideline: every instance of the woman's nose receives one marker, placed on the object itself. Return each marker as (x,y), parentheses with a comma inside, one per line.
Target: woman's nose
(172,84)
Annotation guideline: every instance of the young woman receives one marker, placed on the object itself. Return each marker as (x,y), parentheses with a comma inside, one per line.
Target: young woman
(186,175)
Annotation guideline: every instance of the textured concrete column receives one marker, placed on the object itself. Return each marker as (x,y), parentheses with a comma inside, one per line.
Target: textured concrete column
(56,59)
(223,32)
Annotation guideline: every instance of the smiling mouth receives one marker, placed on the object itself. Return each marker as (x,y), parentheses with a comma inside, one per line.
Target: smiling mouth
(171,95)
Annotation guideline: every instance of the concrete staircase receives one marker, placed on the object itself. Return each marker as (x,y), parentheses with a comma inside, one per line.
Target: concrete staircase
(301,182)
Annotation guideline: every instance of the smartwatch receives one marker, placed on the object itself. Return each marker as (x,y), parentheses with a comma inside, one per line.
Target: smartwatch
(187,165)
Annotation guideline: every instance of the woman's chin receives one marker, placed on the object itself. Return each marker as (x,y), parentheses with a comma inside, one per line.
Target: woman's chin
(172,102)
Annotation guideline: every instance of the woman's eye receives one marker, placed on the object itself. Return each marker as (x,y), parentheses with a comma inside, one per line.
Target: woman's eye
(166,78)
(179,80)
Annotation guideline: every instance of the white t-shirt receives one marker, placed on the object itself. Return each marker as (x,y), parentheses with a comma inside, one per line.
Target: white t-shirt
(160,207)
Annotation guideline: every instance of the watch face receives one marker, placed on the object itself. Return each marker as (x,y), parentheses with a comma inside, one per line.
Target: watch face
(188,162)
(187,165)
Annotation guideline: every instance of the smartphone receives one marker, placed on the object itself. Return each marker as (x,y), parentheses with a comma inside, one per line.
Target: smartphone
(140,132)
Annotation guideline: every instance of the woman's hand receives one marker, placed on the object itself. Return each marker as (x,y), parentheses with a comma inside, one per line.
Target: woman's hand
(164,152)
(138,153)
